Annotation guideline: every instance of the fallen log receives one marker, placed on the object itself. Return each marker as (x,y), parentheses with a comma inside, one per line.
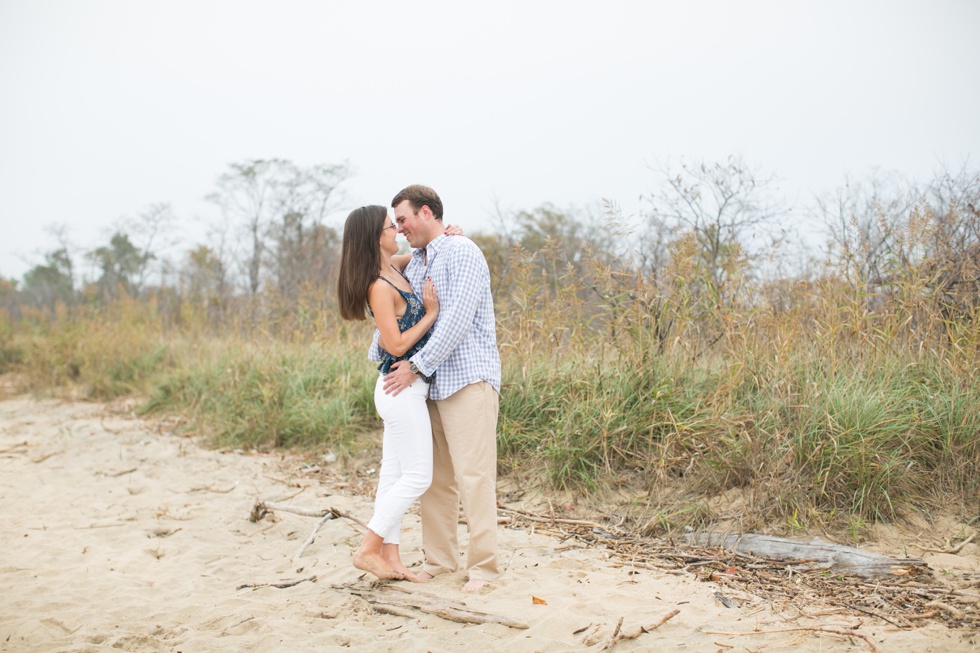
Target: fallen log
(833,557)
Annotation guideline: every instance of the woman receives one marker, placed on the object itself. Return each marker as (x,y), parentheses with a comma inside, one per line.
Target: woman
(371,281)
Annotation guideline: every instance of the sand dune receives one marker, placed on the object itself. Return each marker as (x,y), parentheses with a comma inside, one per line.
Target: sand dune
(116,537)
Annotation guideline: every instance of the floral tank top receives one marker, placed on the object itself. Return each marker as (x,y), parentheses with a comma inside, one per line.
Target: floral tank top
(413,313)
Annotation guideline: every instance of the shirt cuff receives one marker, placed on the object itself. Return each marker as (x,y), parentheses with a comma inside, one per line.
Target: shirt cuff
(417,359)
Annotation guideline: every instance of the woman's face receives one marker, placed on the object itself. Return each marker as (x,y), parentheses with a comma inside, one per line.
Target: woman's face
(388,233)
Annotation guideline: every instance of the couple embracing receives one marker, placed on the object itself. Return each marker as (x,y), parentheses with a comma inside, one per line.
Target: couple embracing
(437,390)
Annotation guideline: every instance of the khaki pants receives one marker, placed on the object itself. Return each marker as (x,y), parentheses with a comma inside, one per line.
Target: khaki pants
(464,453)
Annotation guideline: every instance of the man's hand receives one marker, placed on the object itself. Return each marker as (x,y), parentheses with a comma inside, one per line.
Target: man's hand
(398,378)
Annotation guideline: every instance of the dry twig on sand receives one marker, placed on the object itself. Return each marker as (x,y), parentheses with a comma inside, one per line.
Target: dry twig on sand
(550,520)
(309,540)
(896,597)
(831,631)
(949,549)
(619,635)
(282,585)
(13,449)
(262,508)
(43,457)
(120,473)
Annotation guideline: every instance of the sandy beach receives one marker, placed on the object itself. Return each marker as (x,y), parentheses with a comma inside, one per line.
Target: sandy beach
(121,536)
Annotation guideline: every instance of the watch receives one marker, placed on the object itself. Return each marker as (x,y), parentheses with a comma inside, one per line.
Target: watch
(414,369)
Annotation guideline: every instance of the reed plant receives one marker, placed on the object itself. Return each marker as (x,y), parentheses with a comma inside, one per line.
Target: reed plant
(11,354)
(263,396)
(844,400)
(100,353)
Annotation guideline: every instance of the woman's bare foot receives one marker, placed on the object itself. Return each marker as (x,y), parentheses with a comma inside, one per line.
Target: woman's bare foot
(395,562)
(404,571)
(375,564)
(424,576)
(473,585)
(392,556)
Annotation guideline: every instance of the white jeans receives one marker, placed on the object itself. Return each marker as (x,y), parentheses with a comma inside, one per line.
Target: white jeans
(406,456)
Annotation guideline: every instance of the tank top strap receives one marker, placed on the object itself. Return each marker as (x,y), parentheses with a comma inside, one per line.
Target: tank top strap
(390,284)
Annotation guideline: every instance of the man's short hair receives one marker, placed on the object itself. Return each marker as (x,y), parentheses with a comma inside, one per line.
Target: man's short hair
(419,196)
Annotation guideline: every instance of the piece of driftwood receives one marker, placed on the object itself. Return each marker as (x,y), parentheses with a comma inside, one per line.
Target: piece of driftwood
(450,611)
(262,508)
(834,557)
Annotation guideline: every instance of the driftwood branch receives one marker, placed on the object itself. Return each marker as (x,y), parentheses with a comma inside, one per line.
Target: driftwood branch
(262,508)
(448,610)
(835,557)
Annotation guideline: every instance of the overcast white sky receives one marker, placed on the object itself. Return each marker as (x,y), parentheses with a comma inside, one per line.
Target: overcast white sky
(107,106)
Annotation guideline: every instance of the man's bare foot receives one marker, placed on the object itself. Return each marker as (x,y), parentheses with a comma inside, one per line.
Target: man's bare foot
(375,564)
(473,585)
(424,576)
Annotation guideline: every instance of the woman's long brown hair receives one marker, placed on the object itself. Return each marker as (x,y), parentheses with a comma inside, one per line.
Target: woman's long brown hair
(360,260)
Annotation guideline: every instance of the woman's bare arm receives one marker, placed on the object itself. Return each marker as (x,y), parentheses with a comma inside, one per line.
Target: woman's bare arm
(382,298)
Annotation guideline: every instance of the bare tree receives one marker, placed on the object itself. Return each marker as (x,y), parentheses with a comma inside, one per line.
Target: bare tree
(725,207)
(865,222)
(152,232)
(305,249)
(278,207)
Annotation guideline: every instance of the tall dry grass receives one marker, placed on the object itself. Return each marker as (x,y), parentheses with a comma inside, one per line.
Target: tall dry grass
(837,398)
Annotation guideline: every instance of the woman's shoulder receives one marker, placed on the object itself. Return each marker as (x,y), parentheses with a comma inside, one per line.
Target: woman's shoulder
(378,288)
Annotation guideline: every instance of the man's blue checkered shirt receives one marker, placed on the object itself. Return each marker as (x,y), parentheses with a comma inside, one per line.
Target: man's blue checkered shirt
(463,345)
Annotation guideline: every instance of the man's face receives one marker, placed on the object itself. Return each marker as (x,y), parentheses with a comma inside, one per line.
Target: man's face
(411,224)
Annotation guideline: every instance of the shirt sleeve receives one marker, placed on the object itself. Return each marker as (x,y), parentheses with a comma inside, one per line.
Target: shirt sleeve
(467,275)
(374,351)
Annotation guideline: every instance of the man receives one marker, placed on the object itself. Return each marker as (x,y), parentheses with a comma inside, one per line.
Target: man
(464,395)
